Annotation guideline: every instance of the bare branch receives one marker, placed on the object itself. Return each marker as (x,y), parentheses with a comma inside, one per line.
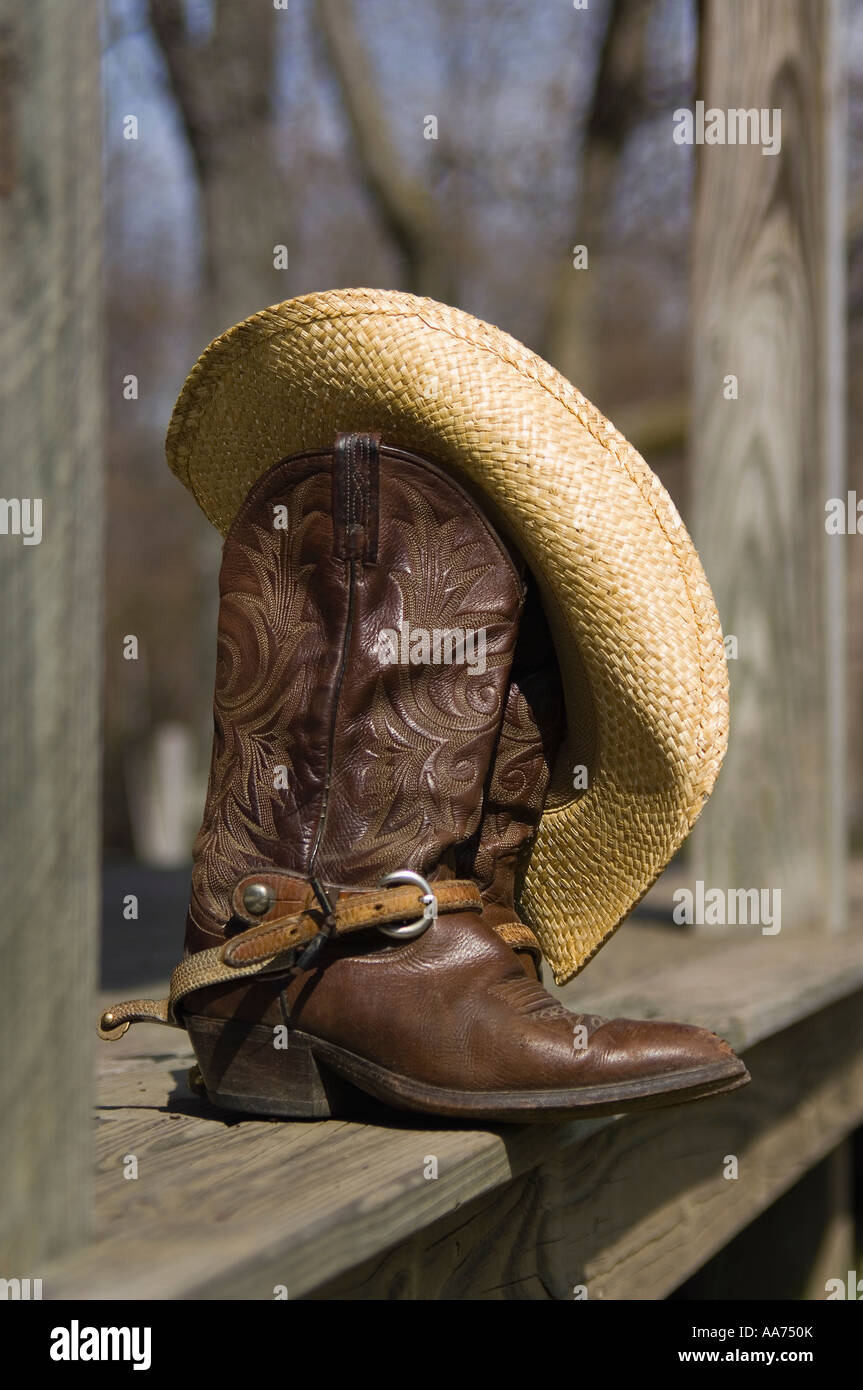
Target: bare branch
(403,203)
(616,108)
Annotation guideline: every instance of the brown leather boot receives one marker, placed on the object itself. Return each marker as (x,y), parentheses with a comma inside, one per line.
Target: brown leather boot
(530,737)
(383,739)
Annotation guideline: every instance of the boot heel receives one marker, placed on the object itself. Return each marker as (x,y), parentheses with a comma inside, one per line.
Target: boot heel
(242,1070)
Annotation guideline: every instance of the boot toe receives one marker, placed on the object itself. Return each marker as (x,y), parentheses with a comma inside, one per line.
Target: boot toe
(632,1049)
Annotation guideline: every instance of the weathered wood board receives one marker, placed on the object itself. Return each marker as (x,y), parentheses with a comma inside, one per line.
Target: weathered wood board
(636,1208)
(229,1208)
(50,614)
(767,446)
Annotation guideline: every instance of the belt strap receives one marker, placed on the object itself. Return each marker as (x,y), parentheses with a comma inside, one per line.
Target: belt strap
(268,948)
(519,937)
(360,911)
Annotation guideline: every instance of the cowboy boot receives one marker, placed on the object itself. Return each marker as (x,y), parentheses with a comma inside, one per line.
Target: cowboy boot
(352,925)
(532,731)
(531,735)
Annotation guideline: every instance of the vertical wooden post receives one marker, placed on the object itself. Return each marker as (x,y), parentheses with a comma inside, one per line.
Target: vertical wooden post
(769,314)
(50,648)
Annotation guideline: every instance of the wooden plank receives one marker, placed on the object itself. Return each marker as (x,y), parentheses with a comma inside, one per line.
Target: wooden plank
(625,1238)
(768,311)
(833,309)
(588,1223)
(51,388)
(745,991)
(224,1208)
(794,1248)
(828,1201)
(488,1249)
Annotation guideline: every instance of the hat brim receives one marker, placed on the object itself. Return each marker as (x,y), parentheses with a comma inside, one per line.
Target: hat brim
(634,621)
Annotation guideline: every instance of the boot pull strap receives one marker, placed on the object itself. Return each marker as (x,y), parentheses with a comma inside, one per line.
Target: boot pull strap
(356,496)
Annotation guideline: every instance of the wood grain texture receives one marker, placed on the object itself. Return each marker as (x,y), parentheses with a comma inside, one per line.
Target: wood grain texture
(637,1207)
(768,309)
(791,1251)
(51,388)
(745,989)
(491,1248)
(624,1237)
(230,1208)
(224,1208)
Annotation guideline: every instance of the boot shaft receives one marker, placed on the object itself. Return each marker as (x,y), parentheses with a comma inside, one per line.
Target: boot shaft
(367,625)
(532,731)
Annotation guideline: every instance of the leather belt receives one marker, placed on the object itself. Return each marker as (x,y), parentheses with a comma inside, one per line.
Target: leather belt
(268,948)
(377,908)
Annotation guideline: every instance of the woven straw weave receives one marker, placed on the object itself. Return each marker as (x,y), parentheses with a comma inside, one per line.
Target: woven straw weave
(636,629)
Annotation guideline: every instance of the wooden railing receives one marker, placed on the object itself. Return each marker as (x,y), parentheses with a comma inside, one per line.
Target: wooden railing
(624,1208)
(191,1203)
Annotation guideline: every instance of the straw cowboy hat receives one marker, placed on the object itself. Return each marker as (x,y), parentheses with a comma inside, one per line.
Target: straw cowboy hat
(635,626)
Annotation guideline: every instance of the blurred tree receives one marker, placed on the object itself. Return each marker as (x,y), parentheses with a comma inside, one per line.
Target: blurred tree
(224,86)
(402,198)
(617,107)
(249,118)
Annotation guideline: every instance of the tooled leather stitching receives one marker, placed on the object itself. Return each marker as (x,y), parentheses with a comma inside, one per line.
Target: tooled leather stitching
(216,934)
(242,805)
(264,485)
(331,736)
(420,742)
(424,736)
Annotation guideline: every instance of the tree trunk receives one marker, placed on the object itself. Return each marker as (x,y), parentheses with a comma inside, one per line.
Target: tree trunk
(616,107)
(224,89)
(404,204)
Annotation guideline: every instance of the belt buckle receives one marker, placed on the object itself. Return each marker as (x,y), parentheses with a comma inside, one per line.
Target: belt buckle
(410,930)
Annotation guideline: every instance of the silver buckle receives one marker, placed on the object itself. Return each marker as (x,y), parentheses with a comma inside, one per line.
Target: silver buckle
(411,929)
